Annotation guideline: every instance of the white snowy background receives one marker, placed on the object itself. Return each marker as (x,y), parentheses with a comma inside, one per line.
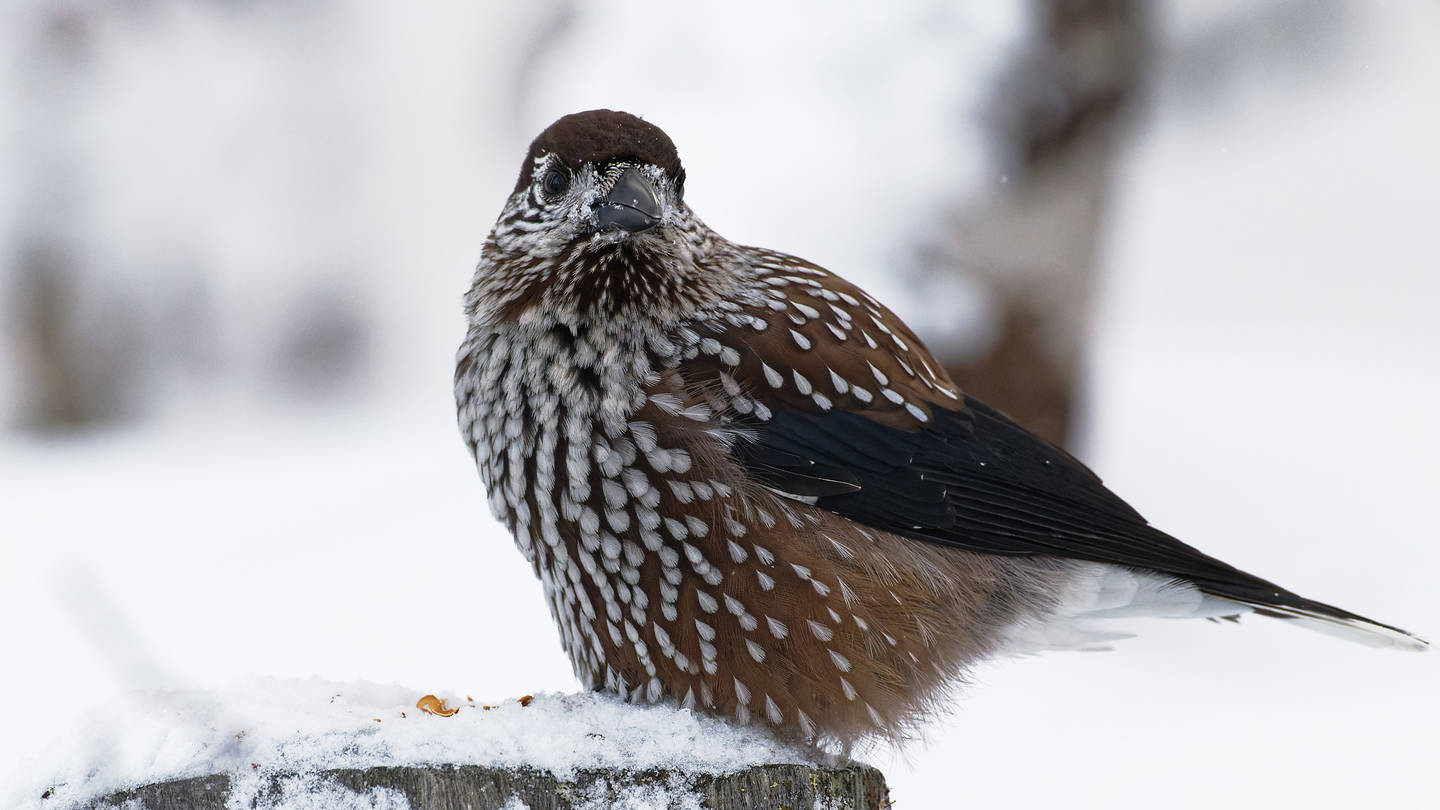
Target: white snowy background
(1264,377)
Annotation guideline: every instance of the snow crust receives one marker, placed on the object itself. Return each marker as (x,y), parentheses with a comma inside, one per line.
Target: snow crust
(259,728)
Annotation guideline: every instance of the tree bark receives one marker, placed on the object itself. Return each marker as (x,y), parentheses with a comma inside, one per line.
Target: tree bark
(473,787)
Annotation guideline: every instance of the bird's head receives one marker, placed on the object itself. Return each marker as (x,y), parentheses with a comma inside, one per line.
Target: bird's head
(596,223)
(597,179)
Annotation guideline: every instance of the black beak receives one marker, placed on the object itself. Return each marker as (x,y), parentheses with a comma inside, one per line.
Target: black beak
(632,204)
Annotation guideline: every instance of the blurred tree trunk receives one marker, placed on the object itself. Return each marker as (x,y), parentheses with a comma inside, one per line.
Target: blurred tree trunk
(76,358)
(1057,117)
(72,374)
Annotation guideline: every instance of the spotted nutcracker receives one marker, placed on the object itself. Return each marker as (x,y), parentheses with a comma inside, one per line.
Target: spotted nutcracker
(748,488)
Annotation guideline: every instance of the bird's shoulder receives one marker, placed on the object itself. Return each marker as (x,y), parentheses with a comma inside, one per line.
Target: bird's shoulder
(807,339)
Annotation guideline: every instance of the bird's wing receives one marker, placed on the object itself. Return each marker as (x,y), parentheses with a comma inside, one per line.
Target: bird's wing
(972,479)
(851,413)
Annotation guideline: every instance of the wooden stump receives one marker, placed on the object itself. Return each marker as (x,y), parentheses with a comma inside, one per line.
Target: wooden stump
(473,787)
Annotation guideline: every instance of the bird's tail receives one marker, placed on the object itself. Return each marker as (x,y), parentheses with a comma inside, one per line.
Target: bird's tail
(1098,593)
(1268,599)
(1334,621)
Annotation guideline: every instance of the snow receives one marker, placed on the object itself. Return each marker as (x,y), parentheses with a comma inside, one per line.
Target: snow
(1263,383)
(260,728)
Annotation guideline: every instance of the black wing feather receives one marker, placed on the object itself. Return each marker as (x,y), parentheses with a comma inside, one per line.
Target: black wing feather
(975,480)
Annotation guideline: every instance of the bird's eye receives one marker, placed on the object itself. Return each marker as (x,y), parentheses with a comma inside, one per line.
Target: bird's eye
(555,182)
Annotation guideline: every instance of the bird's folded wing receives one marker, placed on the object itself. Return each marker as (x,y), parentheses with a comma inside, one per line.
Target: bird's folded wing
(971,478)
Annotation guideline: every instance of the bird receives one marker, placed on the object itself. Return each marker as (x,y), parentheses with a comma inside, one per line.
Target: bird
(749,490)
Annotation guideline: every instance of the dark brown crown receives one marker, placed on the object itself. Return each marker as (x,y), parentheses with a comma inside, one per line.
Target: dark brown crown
(601,137)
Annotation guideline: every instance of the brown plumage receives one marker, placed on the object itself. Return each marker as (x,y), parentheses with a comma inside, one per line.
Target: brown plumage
(748,488)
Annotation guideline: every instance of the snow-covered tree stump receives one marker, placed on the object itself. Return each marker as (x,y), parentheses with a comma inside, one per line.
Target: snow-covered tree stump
(272,744)
(442,787)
